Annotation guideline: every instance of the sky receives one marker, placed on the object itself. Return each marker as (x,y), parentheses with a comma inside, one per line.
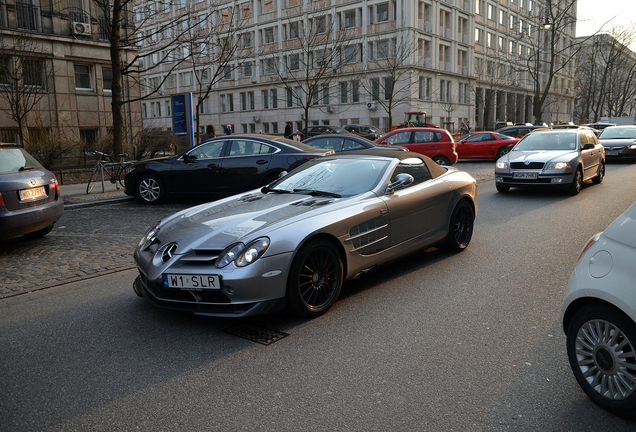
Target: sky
(593,14)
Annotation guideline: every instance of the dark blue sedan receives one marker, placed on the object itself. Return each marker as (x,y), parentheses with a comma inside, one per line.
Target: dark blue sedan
(343,143)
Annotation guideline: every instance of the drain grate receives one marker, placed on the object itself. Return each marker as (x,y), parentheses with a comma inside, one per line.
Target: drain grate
(256,334)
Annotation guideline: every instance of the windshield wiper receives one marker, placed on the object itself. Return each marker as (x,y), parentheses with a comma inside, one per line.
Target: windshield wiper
(313,192)
(279,191)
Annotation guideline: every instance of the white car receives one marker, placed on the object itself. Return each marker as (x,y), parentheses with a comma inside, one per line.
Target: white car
(599,317)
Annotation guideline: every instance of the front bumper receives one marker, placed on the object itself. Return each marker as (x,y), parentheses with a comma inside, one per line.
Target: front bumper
(555,179)
(619,153)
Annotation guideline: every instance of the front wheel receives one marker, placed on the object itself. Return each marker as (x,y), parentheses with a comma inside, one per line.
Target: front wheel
(441,160)
(315,279)
(601,346)
(150,189)
(460,229)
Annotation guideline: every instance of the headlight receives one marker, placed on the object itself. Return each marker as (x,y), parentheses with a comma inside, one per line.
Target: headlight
(632,147)
(558,165)
(149,237)
(252,252)
(129,169)
(502,165)
(229,255)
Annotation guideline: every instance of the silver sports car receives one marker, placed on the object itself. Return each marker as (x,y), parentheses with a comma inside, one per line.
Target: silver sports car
(295,241)
(562,158)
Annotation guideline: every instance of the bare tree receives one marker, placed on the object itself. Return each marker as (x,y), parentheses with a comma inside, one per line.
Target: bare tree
(492,77)
(315,51)
(24,79)
(389,70)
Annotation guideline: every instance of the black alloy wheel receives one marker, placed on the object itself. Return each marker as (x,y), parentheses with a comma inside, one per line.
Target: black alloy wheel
(601,346)
(460,228)
(315,279)
(503,151)
(441,160)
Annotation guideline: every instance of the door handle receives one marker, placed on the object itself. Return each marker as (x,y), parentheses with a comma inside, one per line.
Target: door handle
(261,162)
(213,165)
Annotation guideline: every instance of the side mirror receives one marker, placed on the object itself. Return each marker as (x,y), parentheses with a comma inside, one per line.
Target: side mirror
(402,180)
(189,157)
(282,174)
(588,146)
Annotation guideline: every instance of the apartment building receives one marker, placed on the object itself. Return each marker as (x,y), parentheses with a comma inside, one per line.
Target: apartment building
(57,55)
(451,61)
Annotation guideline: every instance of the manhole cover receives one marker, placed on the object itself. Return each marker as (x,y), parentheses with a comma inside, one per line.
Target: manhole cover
(256,334)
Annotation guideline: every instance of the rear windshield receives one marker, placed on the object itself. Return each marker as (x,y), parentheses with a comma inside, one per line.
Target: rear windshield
(15,159)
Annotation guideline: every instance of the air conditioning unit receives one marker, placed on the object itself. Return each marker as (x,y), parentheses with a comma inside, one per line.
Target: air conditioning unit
(254,80)
(329,109)
(371,105)
(80,28)
(256,119)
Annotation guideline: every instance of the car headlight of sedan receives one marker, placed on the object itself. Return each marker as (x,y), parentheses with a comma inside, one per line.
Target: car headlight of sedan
(252,252)
(632,147)
(502,165)
(149,237)
(229,254)
(129,169)
(558,165)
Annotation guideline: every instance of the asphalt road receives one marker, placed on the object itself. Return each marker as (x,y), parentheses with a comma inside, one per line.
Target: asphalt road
(435,342)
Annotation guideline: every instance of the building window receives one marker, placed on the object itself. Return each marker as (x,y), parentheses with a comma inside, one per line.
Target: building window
(294,62)
(274,94)
(325,95)
(243,101)
(321,25)
(223,104)
(375,89)
(269,35)
(107,78)
(344,90)
(491,12)
(355,91)
(83,77)
(382,12)
(293,30)
(227,73)
(264,96)
(388,88)
(247,70)
(350,19)
(186,79)
(270,66)
(383,49)
(290,98)
(350,54)
(230,102)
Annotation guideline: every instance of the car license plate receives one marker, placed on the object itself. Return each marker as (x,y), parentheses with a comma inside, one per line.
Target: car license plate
(32,193)
(611,153)
(524,175)
(192,282)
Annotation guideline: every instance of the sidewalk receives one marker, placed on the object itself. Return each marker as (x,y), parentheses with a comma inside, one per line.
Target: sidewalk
(75,195)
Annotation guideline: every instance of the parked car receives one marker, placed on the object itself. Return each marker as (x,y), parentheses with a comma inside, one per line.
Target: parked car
(484,145)
(30,201)
(435,143)
(566,126)
(519,131)
(225,165)
(294,242)
(501,124)
(369,132)
(344,143)
(554,158)
(600,126)
(319,130)
(599,317)
(619,142)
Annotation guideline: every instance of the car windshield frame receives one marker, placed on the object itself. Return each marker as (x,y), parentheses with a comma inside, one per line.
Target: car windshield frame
(334,177)
(565,140)
(16,159)
(617,132)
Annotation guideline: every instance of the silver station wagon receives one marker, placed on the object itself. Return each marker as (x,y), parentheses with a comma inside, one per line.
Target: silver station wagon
(553,158)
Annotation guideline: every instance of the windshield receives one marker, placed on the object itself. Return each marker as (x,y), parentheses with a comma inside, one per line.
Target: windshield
(344,177)
(548,141)
(618,133)
(15,159)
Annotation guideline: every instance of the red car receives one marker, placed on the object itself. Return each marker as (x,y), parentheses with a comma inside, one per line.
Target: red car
(485,145)
(435,143)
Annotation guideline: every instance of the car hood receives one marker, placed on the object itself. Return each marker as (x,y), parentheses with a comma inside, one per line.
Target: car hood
(615,142)
(540,155)
(239,218)
(623,229)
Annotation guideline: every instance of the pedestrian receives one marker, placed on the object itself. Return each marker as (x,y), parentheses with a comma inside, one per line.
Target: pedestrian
(209,133)
(468,126)
(463,129)
(289,130)
(228,129)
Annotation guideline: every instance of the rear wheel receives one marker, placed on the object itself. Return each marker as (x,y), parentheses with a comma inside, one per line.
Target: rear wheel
(39,233)
(441,160)
(315,279)
(502,151)
(92,179)
(460,229)
(600,175)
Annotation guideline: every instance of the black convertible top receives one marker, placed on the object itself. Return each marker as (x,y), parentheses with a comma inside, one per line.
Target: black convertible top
(435,169)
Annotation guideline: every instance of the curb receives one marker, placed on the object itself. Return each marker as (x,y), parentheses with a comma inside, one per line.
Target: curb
(96,203)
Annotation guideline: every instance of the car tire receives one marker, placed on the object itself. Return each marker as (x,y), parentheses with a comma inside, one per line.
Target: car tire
(39,233)
(315,279)
(601,346)
(441,160)
(502,188)
(575,187)
(150,189)
(502,152)
(601,173)
(460,227)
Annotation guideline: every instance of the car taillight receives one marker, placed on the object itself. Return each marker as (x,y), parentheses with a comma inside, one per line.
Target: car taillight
(589,244)
(1,200)
(55,186)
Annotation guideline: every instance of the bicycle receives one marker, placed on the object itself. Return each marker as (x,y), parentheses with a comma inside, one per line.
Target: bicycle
(107,165)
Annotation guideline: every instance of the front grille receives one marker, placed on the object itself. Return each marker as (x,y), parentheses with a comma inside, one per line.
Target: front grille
(531,165)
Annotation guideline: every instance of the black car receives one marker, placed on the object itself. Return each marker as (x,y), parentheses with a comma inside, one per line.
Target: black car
(319,130)
(519,131)
(343,143)
(221,166)
(619,142)
(30,201)
(369,132)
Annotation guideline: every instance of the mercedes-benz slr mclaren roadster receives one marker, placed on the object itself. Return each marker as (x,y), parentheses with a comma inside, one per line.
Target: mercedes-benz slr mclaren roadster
(295,241)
